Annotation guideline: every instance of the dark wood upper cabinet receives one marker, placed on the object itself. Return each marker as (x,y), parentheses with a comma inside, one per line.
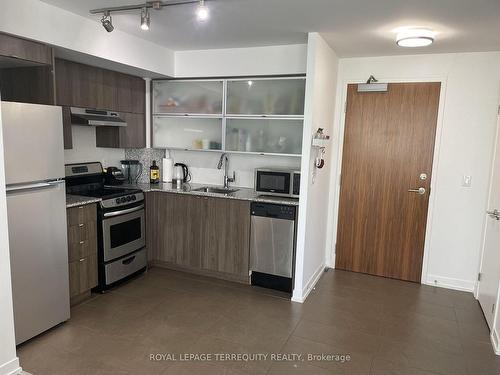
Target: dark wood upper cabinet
(80,85)
(24,49)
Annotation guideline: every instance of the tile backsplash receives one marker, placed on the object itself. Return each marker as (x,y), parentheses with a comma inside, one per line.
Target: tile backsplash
(145,157)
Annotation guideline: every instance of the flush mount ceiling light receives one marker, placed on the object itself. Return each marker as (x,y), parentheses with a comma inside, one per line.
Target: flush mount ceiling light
(415,38)
(107,23)
(145,19)
(202,11)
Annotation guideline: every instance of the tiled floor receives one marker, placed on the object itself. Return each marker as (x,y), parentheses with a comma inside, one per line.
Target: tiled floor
(385,326)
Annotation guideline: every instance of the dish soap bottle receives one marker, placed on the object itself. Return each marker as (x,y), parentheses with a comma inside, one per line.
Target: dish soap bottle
(154,173)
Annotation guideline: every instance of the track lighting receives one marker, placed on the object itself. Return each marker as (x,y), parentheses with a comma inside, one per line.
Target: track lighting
(202,11)
(145,19)
(107,22)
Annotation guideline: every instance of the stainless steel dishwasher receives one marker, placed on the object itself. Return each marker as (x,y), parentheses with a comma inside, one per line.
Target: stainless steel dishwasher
(272,245)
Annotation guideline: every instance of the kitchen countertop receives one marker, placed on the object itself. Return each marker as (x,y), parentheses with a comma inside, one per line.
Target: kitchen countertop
(78,200)
(188,188)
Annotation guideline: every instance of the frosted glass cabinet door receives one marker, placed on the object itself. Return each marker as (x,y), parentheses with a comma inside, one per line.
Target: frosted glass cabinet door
(187,133)
(188,97)
(274,136)
(272,97)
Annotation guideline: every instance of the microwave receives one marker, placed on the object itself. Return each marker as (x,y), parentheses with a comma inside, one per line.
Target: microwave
(278,182)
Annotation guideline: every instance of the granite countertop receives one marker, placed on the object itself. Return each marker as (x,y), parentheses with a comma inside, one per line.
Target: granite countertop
(242,193)
(78,200)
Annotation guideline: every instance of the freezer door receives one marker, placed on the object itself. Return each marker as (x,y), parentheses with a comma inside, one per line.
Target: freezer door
(38,256)
(33,142)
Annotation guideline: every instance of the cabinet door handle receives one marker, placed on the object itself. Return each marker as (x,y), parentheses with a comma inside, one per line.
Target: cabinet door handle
(80,207)
(82,242)
(81,225)
(81,260)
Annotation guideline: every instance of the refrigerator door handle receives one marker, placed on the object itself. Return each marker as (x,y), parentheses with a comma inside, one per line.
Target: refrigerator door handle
(34,186)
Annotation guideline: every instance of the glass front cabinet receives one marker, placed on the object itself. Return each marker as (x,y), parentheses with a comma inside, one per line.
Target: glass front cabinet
(257,115)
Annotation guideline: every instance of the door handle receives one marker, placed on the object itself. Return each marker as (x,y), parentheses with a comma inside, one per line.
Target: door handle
(420,191)
(495,214)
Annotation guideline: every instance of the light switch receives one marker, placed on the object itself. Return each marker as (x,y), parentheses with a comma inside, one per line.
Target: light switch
(467,181)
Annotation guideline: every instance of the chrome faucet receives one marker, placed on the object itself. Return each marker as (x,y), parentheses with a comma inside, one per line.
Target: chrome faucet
(224,158)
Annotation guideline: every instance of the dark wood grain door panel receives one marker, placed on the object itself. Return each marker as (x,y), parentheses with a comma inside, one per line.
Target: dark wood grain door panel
(388,142)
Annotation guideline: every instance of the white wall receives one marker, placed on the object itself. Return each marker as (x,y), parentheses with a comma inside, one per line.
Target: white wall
(322,67)
(9,363)
(272,60)
(37,20)
(469,103)
(84,149)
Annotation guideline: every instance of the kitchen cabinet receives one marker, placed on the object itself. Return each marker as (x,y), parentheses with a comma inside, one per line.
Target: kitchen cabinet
(82,251)
(80,85)
(244,115)
(200,234)
(187,133)
(26,73)
(200,97)
(131,136)
(23,49)
(266,97)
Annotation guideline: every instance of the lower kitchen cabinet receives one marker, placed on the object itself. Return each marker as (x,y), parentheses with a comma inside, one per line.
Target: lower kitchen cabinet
(82,275)
(200,234)
(82,251)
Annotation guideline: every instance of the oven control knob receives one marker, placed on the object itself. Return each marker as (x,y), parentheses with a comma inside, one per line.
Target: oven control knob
(134,197)
(129,198)
(117,200)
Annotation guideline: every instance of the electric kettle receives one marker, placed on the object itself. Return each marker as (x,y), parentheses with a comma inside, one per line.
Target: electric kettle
(181,172)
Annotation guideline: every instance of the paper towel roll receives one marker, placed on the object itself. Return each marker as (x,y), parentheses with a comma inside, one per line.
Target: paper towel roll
(168,169)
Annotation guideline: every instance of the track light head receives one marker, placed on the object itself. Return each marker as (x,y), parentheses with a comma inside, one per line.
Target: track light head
(145,19)
(107,23)
(202,12)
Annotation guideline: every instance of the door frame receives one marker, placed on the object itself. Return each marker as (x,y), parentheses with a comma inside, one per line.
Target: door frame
(334,197)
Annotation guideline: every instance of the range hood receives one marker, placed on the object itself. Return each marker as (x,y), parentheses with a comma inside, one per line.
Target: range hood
(95,117)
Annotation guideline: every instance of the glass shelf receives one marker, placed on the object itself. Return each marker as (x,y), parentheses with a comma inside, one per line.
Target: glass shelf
(272,136)
(187,133)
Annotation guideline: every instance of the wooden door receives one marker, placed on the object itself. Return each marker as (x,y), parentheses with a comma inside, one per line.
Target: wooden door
(490,263)
(388,144)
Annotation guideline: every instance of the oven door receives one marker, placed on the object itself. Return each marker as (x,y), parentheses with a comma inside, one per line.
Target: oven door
(273,182)
(123,232)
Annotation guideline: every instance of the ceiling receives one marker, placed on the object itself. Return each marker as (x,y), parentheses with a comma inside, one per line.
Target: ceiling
(351,27)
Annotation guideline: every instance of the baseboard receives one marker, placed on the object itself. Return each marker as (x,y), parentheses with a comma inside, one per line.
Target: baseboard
(450,283)
(11,368)
(495,340)
(301,295)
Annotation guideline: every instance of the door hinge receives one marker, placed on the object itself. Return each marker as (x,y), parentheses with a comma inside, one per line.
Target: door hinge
(493,309)
(498,110)
(345,107)
(479,276)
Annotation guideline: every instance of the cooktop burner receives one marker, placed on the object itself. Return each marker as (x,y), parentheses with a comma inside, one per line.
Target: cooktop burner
(107,192)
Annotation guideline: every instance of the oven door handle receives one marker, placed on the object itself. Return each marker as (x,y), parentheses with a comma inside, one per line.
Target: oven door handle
(122,212)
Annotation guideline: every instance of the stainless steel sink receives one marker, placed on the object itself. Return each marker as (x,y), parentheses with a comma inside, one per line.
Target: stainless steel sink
(216,190)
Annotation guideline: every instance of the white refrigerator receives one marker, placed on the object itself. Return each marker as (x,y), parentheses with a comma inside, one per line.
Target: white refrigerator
(36,209)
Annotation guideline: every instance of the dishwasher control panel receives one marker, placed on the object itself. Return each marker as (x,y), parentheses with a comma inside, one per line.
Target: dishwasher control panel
(277,211)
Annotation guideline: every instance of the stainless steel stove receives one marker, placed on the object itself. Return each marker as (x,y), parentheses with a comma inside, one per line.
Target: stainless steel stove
(121,223)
